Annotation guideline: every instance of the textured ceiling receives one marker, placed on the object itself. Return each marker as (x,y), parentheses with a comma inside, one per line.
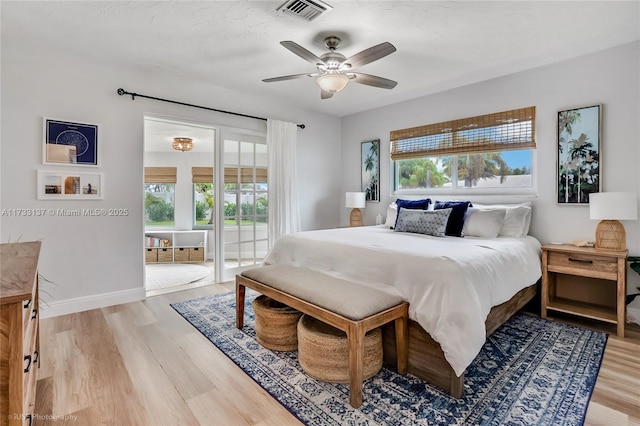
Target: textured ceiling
(235,44)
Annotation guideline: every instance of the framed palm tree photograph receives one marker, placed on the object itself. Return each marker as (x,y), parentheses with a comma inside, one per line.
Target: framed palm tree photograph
(579,154)
(370,155)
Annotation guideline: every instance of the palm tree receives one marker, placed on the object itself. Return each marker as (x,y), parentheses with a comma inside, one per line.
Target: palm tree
(566,120)
(580,149)
(370,165)
(473,167)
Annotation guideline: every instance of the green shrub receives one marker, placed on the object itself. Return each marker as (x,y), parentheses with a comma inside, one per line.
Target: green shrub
(201,210)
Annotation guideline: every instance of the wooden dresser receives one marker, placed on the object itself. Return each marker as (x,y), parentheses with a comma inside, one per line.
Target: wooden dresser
(19,343)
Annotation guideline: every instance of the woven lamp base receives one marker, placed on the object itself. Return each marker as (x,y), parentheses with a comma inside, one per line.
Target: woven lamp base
(355,219)
(275,324)
(323,351)
(611,236)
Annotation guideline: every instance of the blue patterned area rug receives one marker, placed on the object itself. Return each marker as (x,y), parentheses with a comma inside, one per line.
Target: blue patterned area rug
(530,372)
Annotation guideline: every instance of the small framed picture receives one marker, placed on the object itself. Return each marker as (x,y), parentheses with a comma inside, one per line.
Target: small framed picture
(64,185)
(579,155)
(70,143)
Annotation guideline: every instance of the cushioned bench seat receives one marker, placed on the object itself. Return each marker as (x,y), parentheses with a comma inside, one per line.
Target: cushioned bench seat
(351,307)
(346,298)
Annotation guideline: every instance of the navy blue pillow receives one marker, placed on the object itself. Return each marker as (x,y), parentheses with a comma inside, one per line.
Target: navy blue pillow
(412,204)
(456,218)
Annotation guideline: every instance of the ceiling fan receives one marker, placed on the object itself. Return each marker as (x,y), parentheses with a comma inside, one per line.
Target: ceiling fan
(334,70)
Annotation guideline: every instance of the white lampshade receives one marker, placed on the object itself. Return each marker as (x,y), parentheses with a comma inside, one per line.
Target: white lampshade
(613,206)
(610,208)
(332,82)
(355,200)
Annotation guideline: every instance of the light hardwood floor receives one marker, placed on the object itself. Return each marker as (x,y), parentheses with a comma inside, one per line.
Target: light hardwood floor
(142,364)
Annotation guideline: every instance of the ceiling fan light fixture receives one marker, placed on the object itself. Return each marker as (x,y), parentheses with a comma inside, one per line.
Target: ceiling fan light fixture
(182,144)
(332,83)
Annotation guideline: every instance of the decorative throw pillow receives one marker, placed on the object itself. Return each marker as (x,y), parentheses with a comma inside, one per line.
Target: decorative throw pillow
(427,222)
(483,223)
(456,219)
(392,215)
(412,204)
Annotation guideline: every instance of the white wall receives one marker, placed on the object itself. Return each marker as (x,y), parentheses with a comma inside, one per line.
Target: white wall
(610,77)
(96,261)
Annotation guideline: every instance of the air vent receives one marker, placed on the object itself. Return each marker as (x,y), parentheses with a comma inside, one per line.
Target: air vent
(305,9)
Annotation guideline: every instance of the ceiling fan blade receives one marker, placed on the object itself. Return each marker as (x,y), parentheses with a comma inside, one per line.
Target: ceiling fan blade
(325,95)
(371,54)
(302,52)
(373,80)
(286,77)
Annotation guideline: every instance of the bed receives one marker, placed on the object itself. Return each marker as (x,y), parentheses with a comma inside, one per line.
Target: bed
(459,289)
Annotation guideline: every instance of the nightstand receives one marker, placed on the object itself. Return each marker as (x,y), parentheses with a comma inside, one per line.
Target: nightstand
(585,282)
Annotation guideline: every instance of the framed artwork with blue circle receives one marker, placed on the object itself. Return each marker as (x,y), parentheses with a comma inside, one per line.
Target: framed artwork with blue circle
(70,143)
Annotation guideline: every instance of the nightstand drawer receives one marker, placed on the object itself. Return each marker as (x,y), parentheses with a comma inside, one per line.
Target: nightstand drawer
(598,265)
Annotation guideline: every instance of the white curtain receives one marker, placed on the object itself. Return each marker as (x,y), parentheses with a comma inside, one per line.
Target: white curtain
(284,213)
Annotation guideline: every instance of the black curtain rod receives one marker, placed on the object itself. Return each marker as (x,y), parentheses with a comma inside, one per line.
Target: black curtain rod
(122,92)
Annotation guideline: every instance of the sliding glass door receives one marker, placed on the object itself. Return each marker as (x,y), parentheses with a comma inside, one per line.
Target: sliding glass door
(245,239)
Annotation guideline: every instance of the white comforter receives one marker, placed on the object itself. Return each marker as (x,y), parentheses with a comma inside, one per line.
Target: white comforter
(451,283)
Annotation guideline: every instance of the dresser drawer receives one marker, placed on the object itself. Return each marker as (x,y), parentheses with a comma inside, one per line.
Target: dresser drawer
(583,262)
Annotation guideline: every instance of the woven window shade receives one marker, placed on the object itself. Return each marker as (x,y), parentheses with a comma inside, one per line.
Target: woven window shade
(202,174)
(160,174)
(205,175)
(507,130)
(246,175)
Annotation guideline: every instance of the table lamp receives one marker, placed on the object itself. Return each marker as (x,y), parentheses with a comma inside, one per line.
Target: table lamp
(610,208)
(355,201)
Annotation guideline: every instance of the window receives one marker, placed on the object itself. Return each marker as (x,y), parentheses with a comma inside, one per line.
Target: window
(203,199)
(493,152)
(159,204)
(252,208)
(159,198)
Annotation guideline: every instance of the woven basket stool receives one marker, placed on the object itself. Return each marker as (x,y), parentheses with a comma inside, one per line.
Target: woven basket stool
(275,324)
(323,351)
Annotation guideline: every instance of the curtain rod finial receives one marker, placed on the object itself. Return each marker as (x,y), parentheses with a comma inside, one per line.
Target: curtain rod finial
(302,126)
(121,92)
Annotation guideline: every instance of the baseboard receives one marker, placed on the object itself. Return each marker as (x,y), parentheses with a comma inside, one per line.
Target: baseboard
(79,304)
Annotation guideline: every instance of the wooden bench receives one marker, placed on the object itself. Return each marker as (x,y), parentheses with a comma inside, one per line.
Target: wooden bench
(348,306)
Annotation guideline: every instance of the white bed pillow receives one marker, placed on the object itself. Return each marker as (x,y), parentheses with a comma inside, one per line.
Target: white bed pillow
(392,214)
(517,219)
(485,223)
(516,222)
